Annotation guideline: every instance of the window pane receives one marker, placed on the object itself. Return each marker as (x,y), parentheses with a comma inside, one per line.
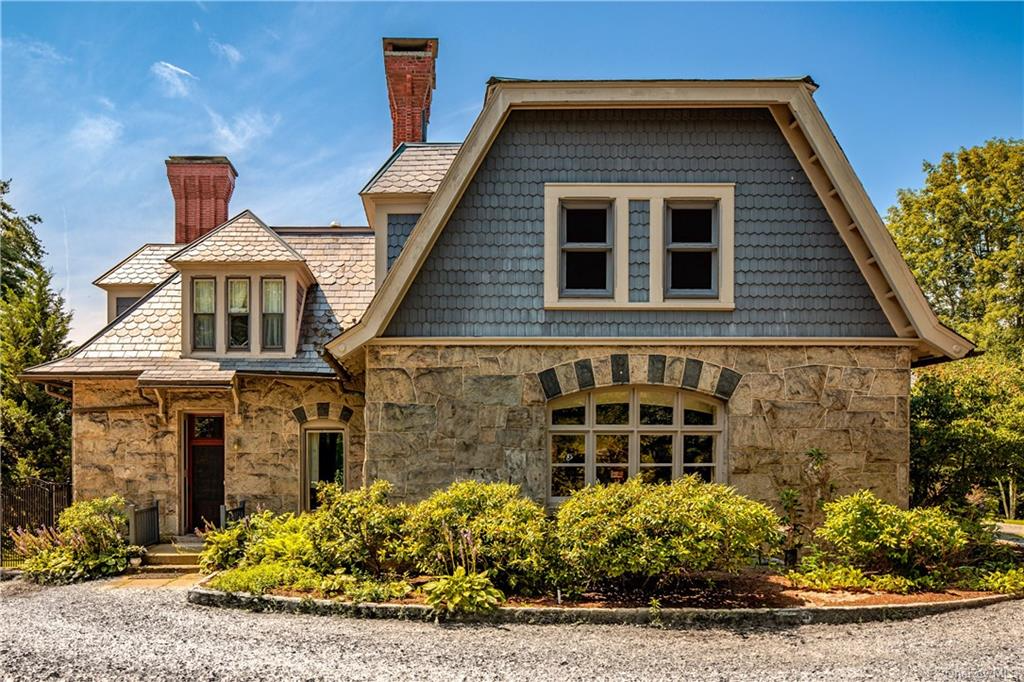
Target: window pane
(568,449)
(202,332)
(586,225)
(613,407)
(273,295)
(656,407)
(698,413)
(691,225)
(612,448)
(690,270)
(207,427)
(123,303)
(564,480)
(571,410)
(238,295)
(656,449)
(586,270)
(656,474)
(698,449)
(238,328)
(706,474)
(273,330)
(325,460)
(617,474)
(203,296)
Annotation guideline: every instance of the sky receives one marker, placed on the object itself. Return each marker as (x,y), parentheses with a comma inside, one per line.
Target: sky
(96,95)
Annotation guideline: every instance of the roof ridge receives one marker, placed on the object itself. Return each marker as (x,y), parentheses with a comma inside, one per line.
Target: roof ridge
(223,226)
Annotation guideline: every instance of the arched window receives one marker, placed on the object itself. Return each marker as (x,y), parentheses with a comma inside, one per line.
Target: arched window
(610,434)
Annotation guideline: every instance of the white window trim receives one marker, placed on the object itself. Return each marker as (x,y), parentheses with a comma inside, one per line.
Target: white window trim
(659,195)
(589,429)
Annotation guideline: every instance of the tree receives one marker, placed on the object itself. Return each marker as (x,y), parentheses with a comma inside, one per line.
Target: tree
(35,428)
(963,237)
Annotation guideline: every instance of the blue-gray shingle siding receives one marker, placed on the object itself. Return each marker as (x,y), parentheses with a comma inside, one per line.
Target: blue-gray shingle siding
(794,275)
(399,228)
(639,250)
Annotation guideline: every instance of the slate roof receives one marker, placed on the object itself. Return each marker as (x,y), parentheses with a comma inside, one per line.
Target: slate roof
(243,239)
(414,168)
(147,265)
(146,340)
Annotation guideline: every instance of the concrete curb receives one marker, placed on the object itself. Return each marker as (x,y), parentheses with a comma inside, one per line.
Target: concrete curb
(666,617)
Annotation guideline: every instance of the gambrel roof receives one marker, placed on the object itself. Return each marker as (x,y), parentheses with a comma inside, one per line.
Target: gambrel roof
(798,117)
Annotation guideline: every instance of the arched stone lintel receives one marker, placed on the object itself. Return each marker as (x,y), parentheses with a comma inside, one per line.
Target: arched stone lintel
(322,410)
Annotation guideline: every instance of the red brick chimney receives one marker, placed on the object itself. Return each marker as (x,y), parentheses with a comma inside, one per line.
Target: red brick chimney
(409,67)
(202,187)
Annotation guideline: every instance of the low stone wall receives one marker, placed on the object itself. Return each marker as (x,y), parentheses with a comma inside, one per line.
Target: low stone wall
(436,414)
(122,444)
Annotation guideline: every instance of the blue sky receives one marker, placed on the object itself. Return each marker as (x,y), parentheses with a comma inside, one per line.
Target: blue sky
(96,96)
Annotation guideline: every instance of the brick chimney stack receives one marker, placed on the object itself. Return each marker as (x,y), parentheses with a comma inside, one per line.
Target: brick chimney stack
(409,67)
(202,188)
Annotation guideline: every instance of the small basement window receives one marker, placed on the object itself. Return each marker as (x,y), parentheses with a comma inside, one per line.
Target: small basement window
(691,250)
(586,249)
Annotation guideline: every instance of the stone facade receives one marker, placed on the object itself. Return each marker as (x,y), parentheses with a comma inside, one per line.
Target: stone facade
(123,444)
(435,414)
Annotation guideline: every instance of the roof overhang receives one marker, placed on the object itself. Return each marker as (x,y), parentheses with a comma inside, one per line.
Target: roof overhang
(791,103)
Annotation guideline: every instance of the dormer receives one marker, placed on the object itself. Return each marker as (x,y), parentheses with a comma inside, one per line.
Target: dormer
(135,276)
(243,289)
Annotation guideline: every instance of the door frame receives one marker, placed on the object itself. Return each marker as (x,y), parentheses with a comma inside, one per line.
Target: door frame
(319,426)
(186,460)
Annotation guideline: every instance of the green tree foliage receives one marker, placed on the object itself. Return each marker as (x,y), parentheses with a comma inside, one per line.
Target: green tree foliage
(35,428)
(967,429)
(963,236)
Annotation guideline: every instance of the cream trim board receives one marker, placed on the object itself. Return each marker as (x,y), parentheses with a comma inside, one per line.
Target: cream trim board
(659,195)
(502,97)
(379,224)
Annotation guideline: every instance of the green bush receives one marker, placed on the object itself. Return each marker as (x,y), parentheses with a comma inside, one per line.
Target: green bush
(1009,581)
(262,578)
(863,531)
(463,593)
(358,530)
(631,534)
(225,548)
(510,533)
(88,542)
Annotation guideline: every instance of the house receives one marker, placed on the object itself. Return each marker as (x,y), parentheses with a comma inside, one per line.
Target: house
(605,279)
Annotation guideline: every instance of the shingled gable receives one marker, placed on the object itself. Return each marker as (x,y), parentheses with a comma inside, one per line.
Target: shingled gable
(146,265)
(799,119)
(242,239)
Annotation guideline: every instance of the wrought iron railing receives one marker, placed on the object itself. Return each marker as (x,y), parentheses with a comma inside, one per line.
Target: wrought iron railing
(231,515)
(29,505)
(144,524)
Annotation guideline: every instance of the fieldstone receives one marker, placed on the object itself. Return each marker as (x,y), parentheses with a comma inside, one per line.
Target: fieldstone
(804,383)
(872,403)
(492,390)
(891,382)
(400,417)
(433,382)
(390,386)
(857,378)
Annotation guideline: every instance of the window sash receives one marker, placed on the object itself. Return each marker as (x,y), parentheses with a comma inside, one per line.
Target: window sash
(566,247)
(678,430)
(671,247)
(204,313)
(272,317)
(238,294)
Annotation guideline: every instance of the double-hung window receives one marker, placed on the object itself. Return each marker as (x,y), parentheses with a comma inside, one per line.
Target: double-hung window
(238,313)
(272,298)
(691,250)
(204,310)
(586,247)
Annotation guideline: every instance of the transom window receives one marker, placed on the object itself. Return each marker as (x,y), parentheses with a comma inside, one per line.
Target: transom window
(238,313)
(586,246)
(611,434)
(691,250)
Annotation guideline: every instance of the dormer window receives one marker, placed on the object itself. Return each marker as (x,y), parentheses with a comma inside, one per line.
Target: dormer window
(272,297)
(204,311)
(238,313)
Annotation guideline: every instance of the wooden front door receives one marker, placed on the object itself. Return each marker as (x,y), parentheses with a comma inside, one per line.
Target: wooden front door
(204,469)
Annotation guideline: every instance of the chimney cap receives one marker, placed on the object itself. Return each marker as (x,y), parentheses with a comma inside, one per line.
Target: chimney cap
(194,160)
(411,46)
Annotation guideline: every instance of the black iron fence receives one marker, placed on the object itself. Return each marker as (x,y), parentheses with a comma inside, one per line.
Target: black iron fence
(32,504)
(231,515)
(144,524)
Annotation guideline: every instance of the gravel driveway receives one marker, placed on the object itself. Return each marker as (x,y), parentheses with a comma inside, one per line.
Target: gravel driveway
(91,631)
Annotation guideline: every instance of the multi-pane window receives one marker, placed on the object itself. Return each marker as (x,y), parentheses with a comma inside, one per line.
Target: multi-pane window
(691,250)
(204,309)
(609,435)
(272,313)
(238,313)
(586,248)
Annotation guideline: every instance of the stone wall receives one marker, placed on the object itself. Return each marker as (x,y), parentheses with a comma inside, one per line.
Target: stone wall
(436,414)
(122,444)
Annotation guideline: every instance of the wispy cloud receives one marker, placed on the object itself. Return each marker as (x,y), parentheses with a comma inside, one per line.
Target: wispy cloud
(36,50)
(106,103)
(197,26)
(226,51)
(95,133)
(244,130)
(176,81)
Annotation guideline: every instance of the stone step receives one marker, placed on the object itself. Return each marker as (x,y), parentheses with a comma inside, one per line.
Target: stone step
(172,555)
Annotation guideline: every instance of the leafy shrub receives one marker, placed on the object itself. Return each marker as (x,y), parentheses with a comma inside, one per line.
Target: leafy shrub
(357,530)
(633,533)
(89,542)
(376,590)
(463,592)
(863,531)
(282,539)
(826,577)
(261,578)
(511,532)
(1009,581)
